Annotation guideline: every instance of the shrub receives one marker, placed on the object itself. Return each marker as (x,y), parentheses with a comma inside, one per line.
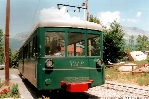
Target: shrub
(9,92)
(15,91)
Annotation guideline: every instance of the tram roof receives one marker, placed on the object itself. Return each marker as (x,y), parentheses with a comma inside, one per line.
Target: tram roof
(74,24)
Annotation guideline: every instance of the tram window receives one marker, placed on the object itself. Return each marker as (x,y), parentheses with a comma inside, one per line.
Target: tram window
(34,49)
(53,40)
(76,43)
(93,45)
(26,51)
(20,54)
(31,49)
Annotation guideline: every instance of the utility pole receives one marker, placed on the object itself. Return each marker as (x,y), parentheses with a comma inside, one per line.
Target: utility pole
(87,19)
(7,43)
(87,13)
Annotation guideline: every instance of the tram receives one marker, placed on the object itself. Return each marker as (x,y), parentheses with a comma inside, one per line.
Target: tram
(63,55)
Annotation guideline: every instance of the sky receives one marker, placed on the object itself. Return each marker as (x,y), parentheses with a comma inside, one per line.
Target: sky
(25,14)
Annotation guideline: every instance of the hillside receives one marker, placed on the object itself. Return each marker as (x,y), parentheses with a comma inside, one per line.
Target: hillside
(18,40)
(134,31)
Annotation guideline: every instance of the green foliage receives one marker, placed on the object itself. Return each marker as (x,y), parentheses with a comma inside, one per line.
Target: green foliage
(144,80)
(139,44)
(94,19)
(15,58)
(131,44)
(113,43)
(15,91)
(96,46)
(1,46)
(9,93)
(142,43)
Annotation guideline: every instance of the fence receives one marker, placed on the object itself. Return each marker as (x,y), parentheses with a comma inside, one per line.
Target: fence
(133,70)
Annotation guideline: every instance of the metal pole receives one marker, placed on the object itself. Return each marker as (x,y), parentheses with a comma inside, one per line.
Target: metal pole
(87,19)
(87,13)
(7,43)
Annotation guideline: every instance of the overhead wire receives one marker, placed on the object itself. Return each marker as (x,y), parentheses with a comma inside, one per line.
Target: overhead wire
(33,19)
(35,13)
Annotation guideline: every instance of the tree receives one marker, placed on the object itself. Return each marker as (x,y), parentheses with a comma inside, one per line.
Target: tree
(142,43)
(1,46)
(113,43)
(94,19)
(131,44)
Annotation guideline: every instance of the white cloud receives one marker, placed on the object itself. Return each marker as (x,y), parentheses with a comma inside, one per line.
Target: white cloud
(108,17)
(131,20)
(54,14)
(138,14)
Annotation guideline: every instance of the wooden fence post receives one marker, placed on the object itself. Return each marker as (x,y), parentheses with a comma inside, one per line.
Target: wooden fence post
(132,70)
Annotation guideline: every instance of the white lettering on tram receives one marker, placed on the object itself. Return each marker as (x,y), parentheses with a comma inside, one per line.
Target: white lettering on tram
(76,63)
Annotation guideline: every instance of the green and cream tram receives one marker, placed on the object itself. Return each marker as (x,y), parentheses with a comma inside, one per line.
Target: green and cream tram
(63,55)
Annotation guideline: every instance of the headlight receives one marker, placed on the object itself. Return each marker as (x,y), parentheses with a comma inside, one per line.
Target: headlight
(49,63)
(99,62)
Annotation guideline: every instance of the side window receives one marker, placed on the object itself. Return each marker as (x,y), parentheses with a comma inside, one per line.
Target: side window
(54,44)
(76,43)
(28,50)
(34,48)
(25,51)
(31,49)
(93,45)
(20,54)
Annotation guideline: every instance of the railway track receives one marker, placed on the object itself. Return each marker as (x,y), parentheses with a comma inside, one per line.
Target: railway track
(144,92)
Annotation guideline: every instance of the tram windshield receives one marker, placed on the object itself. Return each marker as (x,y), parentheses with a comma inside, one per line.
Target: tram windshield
(55,44)
(76,44)
(93,45)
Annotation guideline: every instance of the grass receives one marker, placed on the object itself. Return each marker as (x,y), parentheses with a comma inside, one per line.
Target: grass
(113,75)
(140,79)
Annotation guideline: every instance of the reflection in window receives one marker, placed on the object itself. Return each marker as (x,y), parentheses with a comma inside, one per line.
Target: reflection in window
(93,45)
(76,44)
(54,43)
(31,49)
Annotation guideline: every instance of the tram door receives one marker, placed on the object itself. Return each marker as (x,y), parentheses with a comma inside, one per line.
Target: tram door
(93,43)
